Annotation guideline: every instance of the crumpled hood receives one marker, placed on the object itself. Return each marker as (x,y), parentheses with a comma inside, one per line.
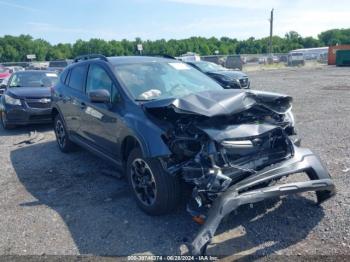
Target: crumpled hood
(29,92)
(229,73)
(223,102)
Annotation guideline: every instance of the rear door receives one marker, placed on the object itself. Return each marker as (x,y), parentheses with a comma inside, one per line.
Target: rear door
(72,97)
(100,121)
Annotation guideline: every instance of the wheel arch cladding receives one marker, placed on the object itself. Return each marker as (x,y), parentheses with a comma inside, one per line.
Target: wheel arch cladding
(128,144)
(54,112)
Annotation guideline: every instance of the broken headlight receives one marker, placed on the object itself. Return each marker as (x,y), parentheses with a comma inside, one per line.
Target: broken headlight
(289,117)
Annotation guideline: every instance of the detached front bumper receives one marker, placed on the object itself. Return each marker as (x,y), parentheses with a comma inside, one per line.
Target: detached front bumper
(239,194)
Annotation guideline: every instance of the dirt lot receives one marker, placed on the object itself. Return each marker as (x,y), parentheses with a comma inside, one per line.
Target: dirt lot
(52,203)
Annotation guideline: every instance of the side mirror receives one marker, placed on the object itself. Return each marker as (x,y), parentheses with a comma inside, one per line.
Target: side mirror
(100,96)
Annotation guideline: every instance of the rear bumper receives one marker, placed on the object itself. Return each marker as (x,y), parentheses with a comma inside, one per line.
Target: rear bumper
(239,194)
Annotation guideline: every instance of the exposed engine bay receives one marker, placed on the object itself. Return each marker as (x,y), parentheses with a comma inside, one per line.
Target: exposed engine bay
(222,141)
(212,152)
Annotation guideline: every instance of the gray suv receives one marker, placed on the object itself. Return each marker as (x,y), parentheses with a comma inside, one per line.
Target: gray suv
(165,124)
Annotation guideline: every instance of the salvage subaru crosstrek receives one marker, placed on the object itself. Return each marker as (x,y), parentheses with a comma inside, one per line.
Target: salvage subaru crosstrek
(165,124)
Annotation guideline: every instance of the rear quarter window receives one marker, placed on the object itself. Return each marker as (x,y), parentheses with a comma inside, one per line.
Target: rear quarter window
(77,77)
(63,76)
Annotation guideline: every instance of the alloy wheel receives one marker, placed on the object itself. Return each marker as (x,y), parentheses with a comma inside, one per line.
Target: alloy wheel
(60,133)
(143,182)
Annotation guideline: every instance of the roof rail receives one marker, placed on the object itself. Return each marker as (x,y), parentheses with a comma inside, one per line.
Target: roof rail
(169,56)
(90,56)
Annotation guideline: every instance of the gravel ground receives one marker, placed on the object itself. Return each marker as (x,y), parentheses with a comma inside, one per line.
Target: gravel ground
(53,203)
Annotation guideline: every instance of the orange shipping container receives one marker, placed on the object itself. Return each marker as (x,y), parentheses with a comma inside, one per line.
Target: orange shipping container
(333,50)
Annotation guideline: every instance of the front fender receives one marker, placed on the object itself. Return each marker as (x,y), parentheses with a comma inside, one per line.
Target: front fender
(147,134)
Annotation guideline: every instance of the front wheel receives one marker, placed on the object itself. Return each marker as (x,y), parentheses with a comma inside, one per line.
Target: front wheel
(4,123)
(156,191)
(64,144)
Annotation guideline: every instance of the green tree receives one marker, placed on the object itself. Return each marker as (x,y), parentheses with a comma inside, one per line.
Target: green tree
(15,48)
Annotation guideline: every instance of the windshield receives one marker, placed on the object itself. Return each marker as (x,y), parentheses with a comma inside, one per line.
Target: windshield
(33,79)
(149,81)
(209,67)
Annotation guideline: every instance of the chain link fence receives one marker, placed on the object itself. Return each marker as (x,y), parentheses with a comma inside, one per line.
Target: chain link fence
(251,62)
(245,62)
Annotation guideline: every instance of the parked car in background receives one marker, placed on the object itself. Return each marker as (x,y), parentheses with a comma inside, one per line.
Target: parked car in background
(27,98)
(14,69)
(283,58)
(234,62)
(166,124)
(225,77)
(262,60)
(4,76)
(58,65)
(219,60)
(295,59)
(189,57)
(275,59)
(3,85)
(37,66)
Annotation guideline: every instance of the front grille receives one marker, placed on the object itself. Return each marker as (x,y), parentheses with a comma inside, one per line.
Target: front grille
(243,82)
(39,103)
(258,152)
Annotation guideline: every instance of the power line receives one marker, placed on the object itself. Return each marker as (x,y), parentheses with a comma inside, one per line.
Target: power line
(271,31)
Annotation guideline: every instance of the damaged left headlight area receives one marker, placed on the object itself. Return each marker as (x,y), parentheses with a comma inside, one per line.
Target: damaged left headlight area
(212,157)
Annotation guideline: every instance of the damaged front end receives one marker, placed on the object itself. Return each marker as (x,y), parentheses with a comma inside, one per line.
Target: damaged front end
(231,146)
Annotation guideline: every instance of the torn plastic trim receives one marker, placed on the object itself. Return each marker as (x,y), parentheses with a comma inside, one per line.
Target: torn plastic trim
(303,161)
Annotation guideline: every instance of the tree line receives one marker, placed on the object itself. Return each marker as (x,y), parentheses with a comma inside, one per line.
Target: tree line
(15,48)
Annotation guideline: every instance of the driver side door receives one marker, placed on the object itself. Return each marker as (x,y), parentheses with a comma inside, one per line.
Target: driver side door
(99,126)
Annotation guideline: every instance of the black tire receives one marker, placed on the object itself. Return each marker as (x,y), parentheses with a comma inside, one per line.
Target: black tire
(4,123)
(164,191)
(62,139)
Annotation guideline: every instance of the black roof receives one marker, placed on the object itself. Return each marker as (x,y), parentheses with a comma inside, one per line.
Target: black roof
(115,60)
(118,60)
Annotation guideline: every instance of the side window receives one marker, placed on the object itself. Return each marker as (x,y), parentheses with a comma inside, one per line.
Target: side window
(77,77)
(98,79)
(14,81)
(63,76)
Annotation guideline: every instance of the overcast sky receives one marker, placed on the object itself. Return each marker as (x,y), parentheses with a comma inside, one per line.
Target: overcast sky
(69,20)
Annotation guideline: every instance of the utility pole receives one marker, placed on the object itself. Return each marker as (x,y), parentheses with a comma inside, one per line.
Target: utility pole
(271,32)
